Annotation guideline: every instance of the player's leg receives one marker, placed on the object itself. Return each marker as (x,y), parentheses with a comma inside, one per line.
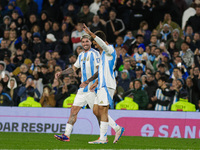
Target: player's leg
(79,102)
(103,114)
(96,112)
(72,119)
(69,126)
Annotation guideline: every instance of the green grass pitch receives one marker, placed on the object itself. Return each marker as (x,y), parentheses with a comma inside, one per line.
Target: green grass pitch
(14,140)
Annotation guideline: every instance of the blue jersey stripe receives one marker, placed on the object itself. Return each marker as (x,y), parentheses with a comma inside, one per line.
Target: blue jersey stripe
(84,71)
(109,99)
(92,64)
(103,69)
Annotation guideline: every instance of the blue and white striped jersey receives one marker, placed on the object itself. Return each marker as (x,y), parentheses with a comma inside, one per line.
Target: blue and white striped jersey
(88,62)
(106,75)
(161,97)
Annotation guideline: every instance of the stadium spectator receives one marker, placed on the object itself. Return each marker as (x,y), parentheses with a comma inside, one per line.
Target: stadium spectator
(124,80)
(56,31)
(176,38)
(48,97)
(53,10)
(59,61)
(67,103)
(194,21)
(23,68)
(143,30)
(128,103)
(193,92)
(5,25)
(128,36)
(68,20)
(151,86)
(103,14)
(140,96)
(85,15)
(77,34)
(191,45)
(94,7)
(97,24)
(5,76)
(183,104)
(47,77)
(118,42)
(138,14)
(50,43)
(163,70)
(64,91)
(172,24)
(43,19)
(12,90)
(4,52)
(189,32)
(46,30)
(37,48)
(164,32)
(64,48)
(196,40)
(5,99)
(134,43)
(160,101)
(114,27)
(30,101)
(31,21)
(28,87)
(187,55)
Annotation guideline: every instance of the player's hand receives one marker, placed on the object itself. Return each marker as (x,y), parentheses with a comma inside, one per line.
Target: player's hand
(85,28)
(93,86)
(57,75)
(84,84)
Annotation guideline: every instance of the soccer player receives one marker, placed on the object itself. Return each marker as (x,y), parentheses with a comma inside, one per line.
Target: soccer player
(106,83)
(88,61)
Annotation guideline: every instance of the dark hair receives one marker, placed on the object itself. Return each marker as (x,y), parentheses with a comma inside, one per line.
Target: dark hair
(163,78)
(30,93)
(101,35)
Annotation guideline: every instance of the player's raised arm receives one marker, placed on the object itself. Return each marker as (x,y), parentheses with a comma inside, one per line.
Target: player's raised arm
(102,43)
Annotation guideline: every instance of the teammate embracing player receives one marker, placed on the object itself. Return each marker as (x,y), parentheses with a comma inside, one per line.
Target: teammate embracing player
(88,61)
(106,83)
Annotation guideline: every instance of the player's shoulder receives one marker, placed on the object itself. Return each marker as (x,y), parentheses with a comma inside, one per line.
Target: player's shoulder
(94,51)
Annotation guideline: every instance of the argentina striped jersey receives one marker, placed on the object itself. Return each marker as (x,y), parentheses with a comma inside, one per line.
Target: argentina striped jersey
(161,97)
(88,62)
(106,75)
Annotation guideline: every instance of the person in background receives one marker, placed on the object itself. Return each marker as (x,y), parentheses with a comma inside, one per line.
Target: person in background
(183,104)
(48,97)
(161,102)
(12,90)
(5,99)
(128,103)
(30,101)
(140,96)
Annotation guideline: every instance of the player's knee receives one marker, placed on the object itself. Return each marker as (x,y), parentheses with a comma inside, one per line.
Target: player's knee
(95,112)
(75,110)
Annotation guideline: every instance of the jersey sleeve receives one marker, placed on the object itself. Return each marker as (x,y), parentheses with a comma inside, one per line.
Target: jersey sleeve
(77,64)
(96,59)
(104,46)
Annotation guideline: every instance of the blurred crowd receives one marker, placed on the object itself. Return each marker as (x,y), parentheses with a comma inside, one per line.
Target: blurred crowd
(157,44)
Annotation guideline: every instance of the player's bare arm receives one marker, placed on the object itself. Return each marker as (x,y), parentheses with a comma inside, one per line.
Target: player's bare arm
(84,84)
(66,71)
(93,86)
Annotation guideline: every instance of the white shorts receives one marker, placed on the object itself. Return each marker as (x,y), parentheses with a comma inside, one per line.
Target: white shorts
(84,98)
(104,96)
